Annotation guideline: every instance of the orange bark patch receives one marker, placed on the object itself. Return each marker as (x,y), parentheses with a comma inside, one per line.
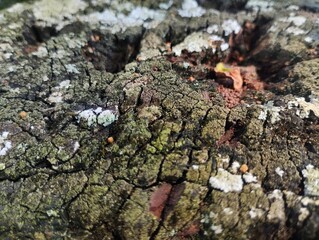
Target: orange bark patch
(251,78)
(232,73)
(189,230)
(231,97)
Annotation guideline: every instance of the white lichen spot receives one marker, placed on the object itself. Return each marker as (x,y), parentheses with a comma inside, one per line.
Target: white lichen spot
(224,46)
(270,110)
(71,68)
(230,26)
(2,166)
(116,21)
(311,175)
(279,171)
(249,178)
(276,212)
(98,116)
(190,8)
(76,146)
(12,69)
(5,144)
(296,20)
(195,42)
(303,107)
(228,211)
(295,31)
(225,159)
(5,50)
(16,8)
(55,97)
(216,38)
(212,29)
(304,213)
(7,55)
(48,11)
(276,194)
(106,117)
(15,90)
(226,181)
(41,52)
(167,5)
(60,54)
(306,201)
(186,65)
(64,84)
(262,5)
(52,213)
(45,78)
(293,8)
(235,166)
(256,213)
(212,214)
(217,229)
(308,39)
(195,167)
(172,233)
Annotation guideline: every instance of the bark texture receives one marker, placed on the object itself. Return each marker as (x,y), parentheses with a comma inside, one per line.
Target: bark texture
(106,135)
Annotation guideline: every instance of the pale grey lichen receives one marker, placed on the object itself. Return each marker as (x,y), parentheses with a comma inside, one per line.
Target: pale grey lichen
(217,229)
(276,211)
(308,39)
(296,20)
(106,117)
(60,14)
(261,5)
(249,178)
(311,175)
(98,116)
(41,52)
(190,8)
(71,68)
(295,30)
(212,28)
(303,214)
(195,42)
(303,108)
(270,110)
(5,144)
(166,5)
(229,26)
(116,21)
(234,167)
(2,166)
(293,8)
(52,213)
(198,41)
(279,171)
(256,212)
(226,181)
(76,146)
(57,95)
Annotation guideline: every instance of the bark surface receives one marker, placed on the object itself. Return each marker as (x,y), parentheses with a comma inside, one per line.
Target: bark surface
(106,134)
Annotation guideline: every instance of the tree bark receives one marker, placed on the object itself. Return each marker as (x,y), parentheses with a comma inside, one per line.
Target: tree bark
(106,134)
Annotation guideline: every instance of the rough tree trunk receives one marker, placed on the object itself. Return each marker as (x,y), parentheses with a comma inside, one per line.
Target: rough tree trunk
(104,134)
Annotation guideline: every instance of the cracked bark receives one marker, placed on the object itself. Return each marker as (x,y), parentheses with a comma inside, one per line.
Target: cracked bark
(61,178)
